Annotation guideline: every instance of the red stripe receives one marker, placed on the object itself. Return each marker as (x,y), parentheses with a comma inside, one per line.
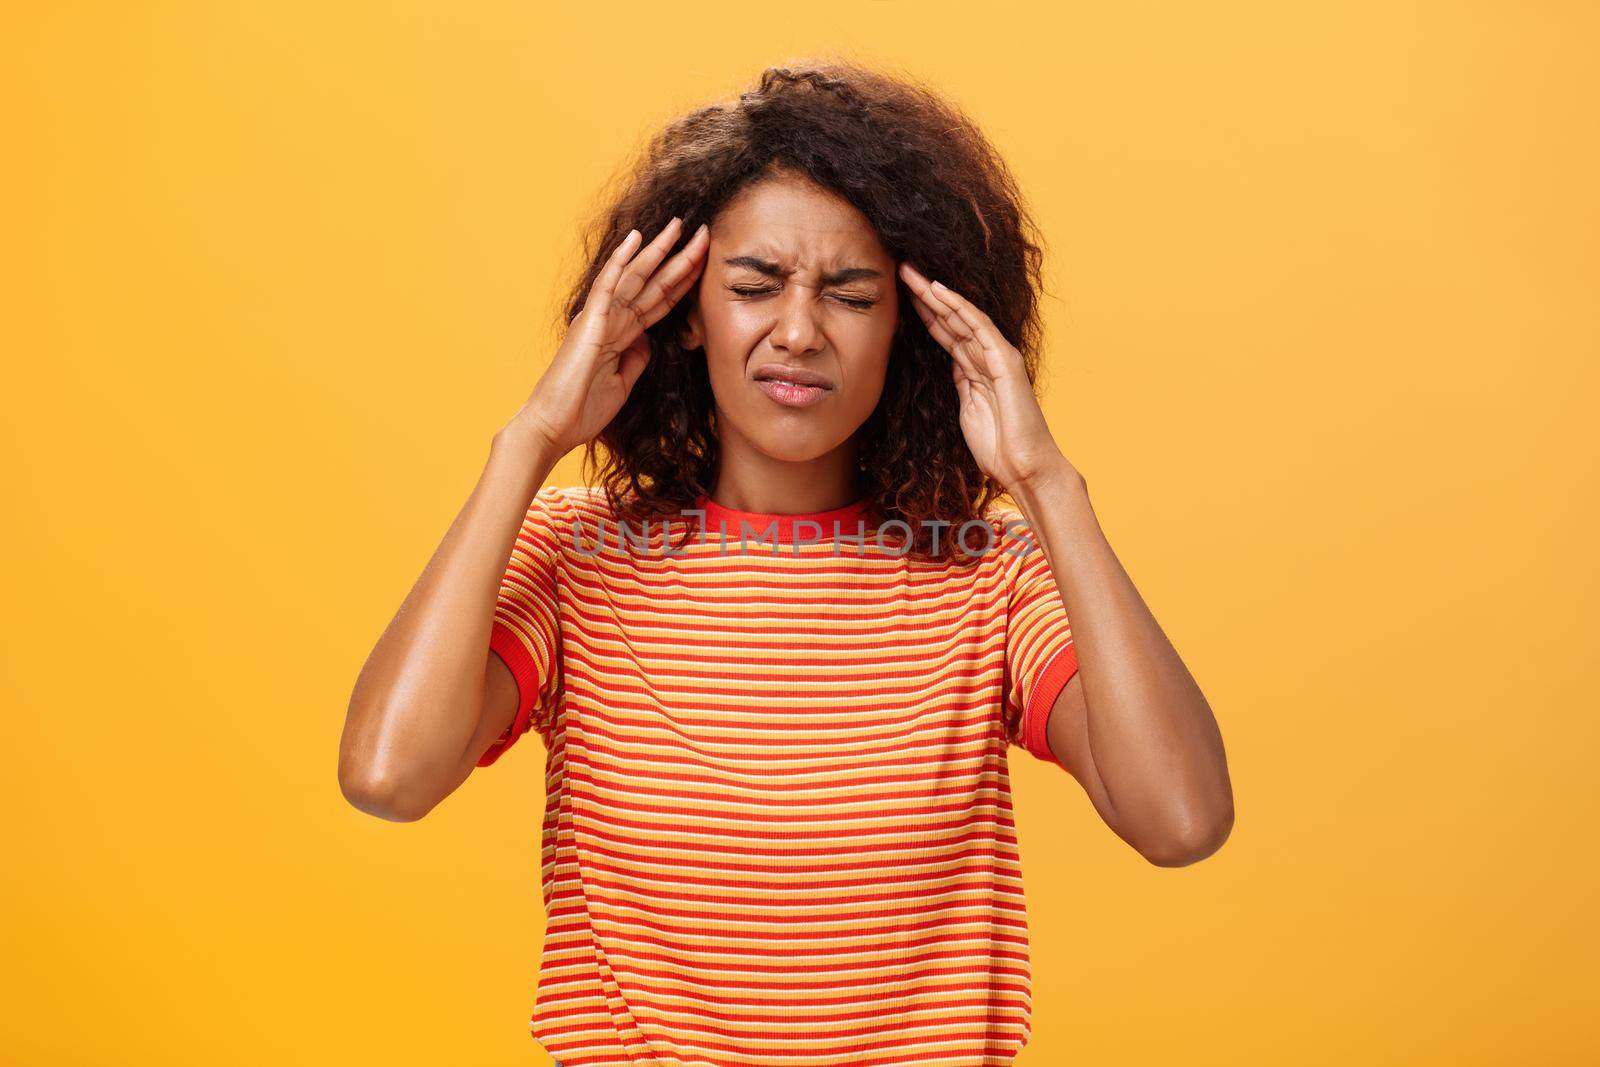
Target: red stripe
(778,816)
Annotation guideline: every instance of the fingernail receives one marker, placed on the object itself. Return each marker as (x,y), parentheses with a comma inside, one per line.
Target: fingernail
(938,285)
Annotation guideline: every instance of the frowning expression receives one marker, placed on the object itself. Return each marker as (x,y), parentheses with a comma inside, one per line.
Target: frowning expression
(796,311)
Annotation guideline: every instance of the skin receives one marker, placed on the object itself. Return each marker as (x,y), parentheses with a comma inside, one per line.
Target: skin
(764,298)
(430,700)
(1131,725)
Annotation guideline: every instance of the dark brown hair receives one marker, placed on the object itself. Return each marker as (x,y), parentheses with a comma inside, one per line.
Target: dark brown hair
(937,193)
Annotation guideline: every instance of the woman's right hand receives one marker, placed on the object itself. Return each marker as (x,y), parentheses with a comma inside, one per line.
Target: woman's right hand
(606,347)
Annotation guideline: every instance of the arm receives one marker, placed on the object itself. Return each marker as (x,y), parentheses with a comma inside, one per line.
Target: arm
(1132,725)
(1136,730)
(431,696)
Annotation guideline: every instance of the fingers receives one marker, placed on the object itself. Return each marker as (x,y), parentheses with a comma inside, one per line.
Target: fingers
(644,264)
(925,311)
(975,336)
(605,283)
(669,298)
(931,321)
(667,286)
(968,312)
(626,281)
(933,309)
(976,321)
(945,303)
(949,329)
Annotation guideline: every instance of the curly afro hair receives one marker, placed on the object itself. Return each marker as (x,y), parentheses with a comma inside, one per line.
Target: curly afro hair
(937,193)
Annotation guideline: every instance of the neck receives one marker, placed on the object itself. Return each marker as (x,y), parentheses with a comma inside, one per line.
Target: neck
(748,480)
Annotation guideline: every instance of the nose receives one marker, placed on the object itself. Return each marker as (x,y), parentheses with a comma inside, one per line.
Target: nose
(796,331)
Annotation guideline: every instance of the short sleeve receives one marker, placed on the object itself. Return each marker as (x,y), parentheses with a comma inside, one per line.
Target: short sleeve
(1040,657)
(526,632)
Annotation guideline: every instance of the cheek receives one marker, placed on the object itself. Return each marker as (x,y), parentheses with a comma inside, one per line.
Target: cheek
(725,319)
(874,331)
(866,387)
(871,343)
(726,366)
(730,334)
(724,342)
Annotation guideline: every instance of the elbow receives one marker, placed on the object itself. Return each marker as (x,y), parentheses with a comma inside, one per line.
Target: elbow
(374,777)
(1193,837)
(379,798)
(383,795)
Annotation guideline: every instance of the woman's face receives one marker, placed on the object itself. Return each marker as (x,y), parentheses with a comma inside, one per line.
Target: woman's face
(798,286)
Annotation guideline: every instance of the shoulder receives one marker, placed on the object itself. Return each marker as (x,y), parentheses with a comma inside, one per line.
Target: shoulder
(1001,514)
(571,500)
(1015,547)
(559,508)
(1011,528)
(574,495)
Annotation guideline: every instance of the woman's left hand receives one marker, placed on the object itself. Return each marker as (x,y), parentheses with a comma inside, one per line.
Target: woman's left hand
(1000,415)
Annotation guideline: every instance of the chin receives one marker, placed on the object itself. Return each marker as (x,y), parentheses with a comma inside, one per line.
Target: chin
(790,450)
(788,440)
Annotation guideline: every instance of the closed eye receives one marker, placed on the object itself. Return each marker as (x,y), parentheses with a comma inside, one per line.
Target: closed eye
(854,302)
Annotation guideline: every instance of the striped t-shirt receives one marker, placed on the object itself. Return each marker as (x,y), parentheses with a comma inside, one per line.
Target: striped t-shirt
(778,824)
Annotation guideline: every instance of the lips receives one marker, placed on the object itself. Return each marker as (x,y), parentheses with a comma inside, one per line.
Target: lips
(791,387)
(778,372)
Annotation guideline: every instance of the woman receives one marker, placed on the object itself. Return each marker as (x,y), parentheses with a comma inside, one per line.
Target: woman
(779,654)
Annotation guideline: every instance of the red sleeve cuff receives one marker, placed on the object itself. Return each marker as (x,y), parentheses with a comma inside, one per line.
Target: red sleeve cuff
(509,647)
(1058,670)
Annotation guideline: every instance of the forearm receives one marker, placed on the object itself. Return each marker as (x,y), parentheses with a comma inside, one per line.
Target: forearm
(1154,741)
(418,700)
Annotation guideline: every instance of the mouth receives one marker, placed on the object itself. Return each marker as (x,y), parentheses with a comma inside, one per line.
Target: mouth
(791,386)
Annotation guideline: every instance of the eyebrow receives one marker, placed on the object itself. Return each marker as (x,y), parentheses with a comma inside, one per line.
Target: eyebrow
(772,270)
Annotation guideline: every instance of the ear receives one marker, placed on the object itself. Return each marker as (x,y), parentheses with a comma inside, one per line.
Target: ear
(692,335)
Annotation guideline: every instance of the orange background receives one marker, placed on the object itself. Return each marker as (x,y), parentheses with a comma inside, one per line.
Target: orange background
(1323,339)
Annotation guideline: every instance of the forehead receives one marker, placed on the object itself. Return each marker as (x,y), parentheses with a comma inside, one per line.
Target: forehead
(798,224)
